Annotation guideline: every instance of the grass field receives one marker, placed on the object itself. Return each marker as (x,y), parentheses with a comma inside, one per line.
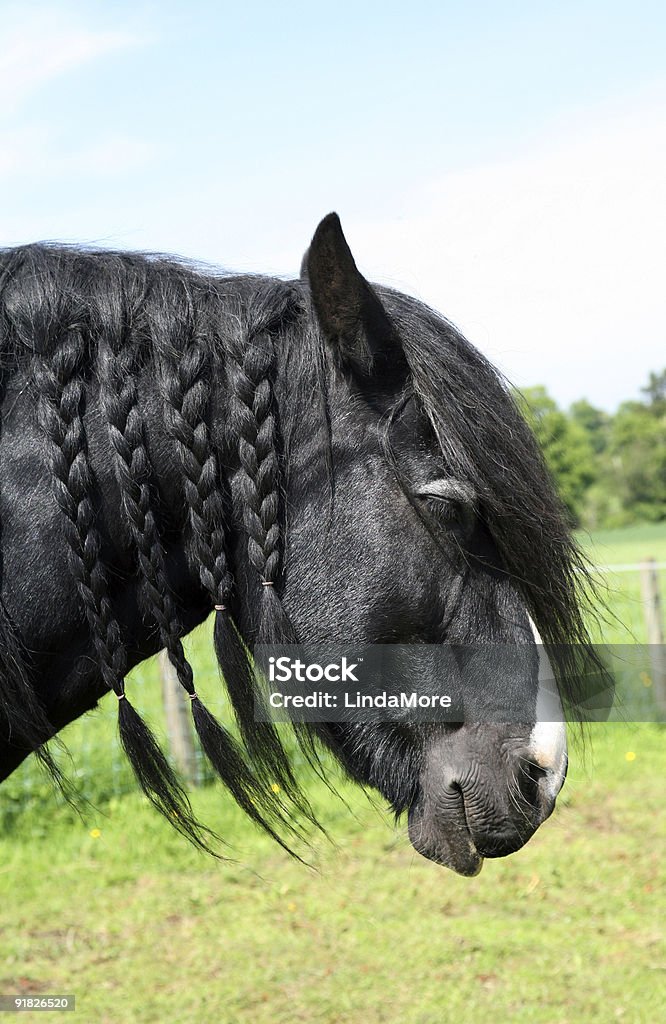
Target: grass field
(630,544)
(122,913)
(621,587)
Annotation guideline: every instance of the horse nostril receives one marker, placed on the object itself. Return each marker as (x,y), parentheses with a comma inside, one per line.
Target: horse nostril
(528,775)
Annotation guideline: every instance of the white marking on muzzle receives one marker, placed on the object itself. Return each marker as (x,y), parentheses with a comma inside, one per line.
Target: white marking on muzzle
(548,739)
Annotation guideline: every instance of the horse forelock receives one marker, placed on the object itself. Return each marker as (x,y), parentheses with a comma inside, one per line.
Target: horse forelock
(486,441)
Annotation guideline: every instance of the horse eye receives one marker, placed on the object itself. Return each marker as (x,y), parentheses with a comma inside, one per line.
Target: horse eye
(449,511)
(451,502)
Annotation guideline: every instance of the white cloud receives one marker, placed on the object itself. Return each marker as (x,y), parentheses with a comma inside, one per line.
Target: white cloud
(35,157)
(551,262)
(39,44)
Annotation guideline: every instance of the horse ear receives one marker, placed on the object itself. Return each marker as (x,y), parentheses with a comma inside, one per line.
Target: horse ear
(349,311)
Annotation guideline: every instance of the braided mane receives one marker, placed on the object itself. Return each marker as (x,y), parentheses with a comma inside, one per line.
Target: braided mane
(93,323)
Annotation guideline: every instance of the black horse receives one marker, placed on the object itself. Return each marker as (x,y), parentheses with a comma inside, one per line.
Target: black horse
(317,460)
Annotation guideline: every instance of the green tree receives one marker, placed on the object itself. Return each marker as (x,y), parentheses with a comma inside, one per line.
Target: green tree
(610,470)
(636,466)
(566,447)
(595,422)
(655,392)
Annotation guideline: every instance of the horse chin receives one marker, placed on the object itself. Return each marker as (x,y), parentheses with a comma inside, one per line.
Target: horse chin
(454,849)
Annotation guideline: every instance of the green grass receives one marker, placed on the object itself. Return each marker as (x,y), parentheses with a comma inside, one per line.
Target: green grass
(621,590)
(630,544)
(142,928)
(123,913)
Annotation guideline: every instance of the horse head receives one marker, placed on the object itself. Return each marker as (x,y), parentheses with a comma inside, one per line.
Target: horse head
(319,461)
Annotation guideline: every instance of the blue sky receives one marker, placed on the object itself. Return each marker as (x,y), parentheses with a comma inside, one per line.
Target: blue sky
(505,162)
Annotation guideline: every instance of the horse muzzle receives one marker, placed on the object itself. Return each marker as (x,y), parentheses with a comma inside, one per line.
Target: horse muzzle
(485,790)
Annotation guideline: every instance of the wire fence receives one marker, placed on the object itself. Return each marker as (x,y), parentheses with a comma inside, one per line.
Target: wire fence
(632,597)
(90,752)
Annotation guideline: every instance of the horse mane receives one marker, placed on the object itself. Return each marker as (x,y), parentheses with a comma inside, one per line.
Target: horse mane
(85,323)
(79,322)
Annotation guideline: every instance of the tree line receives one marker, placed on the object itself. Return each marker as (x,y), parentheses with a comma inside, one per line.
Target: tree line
(610,468)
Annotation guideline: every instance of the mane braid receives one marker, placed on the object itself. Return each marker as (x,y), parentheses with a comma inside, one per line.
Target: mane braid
(60,412)
(256,487)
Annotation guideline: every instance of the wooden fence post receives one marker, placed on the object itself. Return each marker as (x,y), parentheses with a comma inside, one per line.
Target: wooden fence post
(655,628)
(179,727)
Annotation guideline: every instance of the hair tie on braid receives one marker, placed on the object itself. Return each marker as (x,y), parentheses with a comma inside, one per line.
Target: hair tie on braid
(220,607)
(267,583)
